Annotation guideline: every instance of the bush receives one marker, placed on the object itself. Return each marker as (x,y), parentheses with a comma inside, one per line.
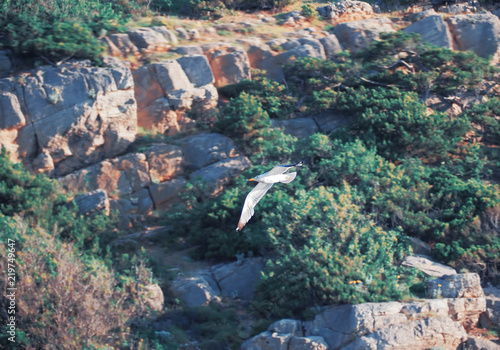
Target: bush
(57,30)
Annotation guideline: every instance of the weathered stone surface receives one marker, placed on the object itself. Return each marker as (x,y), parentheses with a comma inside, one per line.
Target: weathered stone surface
(196,291)
(356,35)
(11,116)
(216,175)
(331,45)
(229,65)
(464,285)
(434,30)
(263,57)
(79,114)
(189,50)
(316,45)
(492,305)
(347,10)
(166,193)
(182,33)
(197,69)
(206,148)
(148,39)
(154,297)
(118,177)
(298,127)
(165,162)
(419,247)
(167,34)
(431,332)
(428,266)
(93,202)
(307,343)
(267,340)
(171,76)
(475,343)
(477,32)
(293,327)
(124,44)
(329,121)
(238,280)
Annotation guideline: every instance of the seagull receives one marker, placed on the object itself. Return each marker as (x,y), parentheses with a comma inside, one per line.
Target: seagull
(265,182)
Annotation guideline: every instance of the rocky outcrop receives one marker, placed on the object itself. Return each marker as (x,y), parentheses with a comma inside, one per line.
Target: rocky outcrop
(477,32)
(434,30)
(235,280)
(356,35)
(464,285)
(346,10)
(61,119)
(428,266)
(391,325)
(93,202)
(229,64)
(165,91)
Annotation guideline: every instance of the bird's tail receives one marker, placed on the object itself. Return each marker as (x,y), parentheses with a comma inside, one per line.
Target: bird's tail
(289,177)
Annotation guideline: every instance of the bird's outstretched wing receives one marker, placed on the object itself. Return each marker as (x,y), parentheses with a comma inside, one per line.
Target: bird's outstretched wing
(281,169)
(251,201)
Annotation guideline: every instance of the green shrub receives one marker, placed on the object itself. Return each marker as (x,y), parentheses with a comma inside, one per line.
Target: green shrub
(58,30)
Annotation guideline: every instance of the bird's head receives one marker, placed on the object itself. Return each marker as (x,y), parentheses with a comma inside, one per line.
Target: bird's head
(255,178)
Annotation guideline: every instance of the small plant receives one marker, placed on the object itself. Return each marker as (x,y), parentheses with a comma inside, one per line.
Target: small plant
(309,11)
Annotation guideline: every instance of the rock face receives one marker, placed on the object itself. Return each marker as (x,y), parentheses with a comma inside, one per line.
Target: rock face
(477,32)
(229,64)
(467,285)
(356,35)
(93,202)
(346,10)
(434,30)
(68,117)
(428,266)
(235,280)
(392,325)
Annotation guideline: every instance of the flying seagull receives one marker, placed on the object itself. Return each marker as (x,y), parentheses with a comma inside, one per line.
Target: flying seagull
(265,182)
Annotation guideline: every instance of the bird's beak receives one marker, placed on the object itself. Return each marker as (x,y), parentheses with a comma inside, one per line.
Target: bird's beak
(252,179)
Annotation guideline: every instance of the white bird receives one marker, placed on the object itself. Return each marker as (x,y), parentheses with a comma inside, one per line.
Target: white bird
(265,182)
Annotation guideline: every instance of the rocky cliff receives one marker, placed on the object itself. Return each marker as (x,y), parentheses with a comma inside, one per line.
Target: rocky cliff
(78,123)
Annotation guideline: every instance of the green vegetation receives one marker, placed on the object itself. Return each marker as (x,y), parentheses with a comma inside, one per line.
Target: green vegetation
(71,291)
(338,232)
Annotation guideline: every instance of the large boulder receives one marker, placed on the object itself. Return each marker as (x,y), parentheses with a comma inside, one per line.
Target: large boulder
(263,57)
(392,325)
(428,266)
(124,44)
(237,280)
(167,193)
(149,40)
(165,162)
(93,202)
(432,332)
(229,64)
(213,177)
(434,30)
(198,290)
(357,35)
(298,127)
(74,115)
(160,90)
(477,32)
(346,10)
(331,45)
(119,177)
(197,69)
(205,148)
(464,285)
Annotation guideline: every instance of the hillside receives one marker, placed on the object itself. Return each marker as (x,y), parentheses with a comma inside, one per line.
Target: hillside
(129,131)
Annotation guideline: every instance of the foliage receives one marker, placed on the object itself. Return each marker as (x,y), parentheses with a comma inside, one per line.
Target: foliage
(56,30)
